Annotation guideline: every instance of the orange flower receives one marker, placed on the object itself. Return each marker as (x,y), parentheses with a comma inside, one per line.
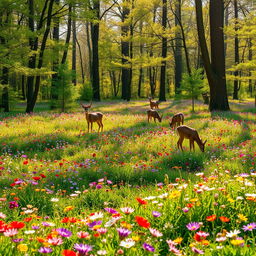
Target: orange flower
(141,201)
(68,253)
(211,218)
(142,222)
(224,219)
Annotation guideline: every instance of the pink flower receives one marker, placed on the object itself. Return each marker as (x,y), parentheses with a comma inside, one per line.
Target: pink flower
(11,232)
(55,241)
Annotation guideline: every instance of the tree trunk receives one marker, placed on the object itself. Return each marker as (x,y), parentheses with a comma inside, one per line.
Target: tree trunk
(164,53)
(236,86)
(178,50)
(88,37)
(95,29)
(23,91)
(250,73)
(125,51)
(74,46)
(5,93)
(81,61)
(215,71)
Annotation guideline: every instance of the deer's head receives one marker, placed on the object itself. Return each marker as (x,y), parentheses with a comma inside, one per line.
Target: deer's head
(202,145)
(86,107)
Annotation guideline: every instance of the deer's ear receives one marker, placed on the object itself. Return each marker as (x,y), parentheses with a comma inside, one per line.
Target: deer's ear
(204,142)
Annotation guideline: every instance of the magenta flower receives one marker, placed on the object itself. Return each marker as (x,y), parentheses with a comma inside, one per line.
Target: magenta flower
(197,251)
(123,232)
(83,249)
(249,227)
(94,223)
(111,210)
(13,204)
(64,232)
(45,250)
(156,214)
(193,226)
(17,240)
(148,247)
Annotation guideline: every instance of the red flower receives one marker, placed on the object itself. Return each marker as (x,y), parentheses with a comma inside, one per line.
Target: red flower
(211,218)
(42,175)
(28,219)
(224,219)
(94,154)
(16,224)
(142,222)
(25,162)
(141,201)
(68,253)
(36,178)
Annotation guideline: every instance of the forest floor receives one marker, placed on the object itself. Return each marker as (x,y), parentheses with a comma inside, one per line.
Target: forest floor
(128,190)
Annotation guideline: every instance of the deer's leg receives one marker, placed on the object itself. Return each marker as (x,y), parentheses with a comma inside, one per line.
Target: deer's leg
(88,125)
(91,126)
(101,125)
(181,141)
(190,144)
(154,119)
(193,145)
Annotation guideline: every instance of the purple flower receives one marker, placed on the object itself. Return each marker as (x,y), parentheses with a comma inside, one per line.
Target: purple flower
(197,251)
(193,226)
(148,247)
(83,249)
(13,204)
(156,214)
(17,240)
(99,186)
(36,227)
(249,227)
(94,223)
(45,250)
(111,210)
(109,182)
(64,232)
(123,232)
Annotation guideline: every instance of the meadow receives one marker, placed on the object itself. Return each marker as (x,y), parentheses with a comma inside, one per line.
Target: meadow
(128,190)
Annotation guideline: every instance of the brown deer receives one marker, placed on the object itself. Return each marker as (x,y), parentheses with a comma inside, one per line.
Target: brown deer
(153,113)
(93,117)
(177,120)
(186,132)
(154,104)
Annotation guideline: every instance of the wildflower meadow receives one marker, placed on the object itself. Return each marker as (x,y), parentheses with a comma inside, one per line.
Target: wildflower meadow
(128,190)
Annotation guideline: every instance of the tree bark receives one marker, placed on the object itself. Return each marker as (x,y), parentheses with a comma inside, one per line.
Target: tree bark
(164,53)
(74,46)
(236,85)
(215,71)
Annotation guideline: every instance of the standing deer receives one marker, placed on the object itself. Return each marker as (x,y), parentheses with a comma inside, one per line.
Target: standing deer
(154,114)
(93,117)
(153,104)
(191,134)
(177,120)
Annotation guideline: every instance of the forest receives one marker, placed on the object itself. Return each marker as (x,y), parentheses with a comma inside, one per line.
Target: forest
(62,52)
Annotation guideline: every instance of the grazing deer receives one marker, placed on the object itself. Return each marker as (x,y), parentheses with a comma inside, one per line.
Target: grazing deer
(191,134)
(154,114)
(153,104)
(177,120)
(93,117)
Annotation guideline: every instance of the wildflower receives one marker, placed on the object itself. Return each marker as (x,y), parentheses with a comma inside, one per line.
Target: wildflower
(221,239)
(2,215)
(238,241)
(142,222)
(155,232)
(68,208)
(13,204)
(83,249)
(197,251)
(178,240)
(193,226)
(82,234)
(68,253)
(102,252)
(102,230)
(11,232)
(224,219)
(123,232)
(45,250)
(94,223)
(29,232)
(242,217)
(96,215)
(55,241)
(17,224)
(233,233)
(200,236)
(54,200)
(211,218)
(127,243)
(64,232)
(156,214)
(148,247)
(127,210)
(141,201)
(17,240)
(22,247)
(110,210)
(249,227)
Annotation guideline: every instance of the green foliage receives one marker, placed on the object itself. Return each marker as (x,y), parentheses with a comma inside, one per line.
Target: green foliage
(64,92)
(192,85)
(85,91)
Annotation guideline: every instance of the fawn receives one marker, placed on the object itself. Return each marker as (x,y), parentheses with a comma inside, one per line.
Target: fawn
(191,134)
(177,120)
(153,104)
(93,117)
(154,114)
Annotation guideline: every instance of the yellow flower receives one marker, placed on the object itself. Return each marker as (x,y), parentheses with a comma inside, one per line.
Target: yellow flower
(231,200)
(136,238)
(174,194)
(96,227)
(126,225)
(205,242)
(68,208)
(37,189)
(237,242)
(242,217)
(22,247)
(178,240)
(193,200)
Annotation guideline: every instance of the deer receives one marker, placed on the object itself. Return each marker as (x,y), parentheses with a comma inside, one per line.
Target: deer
(153,104)
(93,117)
(177,120)
(153,113)
(186,132)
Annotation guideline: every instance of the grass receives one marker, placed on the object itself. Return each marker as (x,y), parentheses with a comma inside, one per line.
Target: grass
(48,156)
